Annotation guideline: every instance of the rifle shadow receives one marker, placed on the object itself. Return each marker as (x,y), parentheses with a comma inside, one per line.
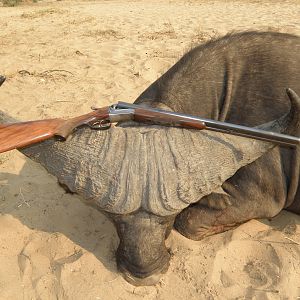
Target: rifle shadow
(34,197)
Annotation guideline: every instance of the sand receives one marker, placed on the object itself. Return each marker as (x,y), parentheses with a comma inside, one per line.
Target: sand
(62,57)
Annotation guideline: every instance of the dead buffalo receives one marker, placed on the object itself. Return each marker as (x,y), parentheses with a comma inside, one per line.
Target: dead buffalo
(148,177)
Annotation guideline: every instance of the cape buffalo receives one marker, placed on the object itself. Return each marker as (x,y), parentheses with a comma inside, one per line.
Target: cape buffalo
(148,177)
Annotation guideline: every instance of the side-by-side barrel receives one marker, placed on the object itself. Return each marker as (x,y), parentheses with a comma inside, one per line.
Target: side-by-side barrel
(184,120)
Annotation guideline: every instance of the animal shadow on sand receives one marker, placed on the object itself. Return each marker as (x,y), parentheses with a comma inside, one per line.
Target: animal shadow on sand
(35,198)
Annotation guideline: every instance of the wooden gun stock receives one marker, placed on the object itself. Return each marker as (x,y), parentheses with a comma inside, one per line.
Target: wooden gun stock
(18,135)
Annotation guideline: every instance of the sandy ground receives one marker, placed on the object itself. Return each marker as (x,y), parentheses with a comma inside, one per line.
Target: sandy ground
(62,57)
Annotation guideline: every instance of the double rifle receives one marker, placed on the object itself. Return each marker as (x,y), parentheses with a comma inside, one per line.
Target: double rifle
(22,134)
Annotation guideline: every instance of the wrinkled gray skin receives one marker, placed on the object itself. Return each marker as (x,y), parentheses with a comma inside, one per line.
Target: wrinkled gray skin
(145,177)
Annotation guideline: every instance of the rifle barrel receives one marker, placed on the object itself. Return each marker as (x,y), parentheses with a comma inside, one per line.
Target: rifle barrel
(228,128)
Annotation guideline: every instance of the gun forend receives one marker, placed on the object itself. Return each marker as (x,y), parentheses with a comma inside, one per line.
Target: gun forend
(190,121)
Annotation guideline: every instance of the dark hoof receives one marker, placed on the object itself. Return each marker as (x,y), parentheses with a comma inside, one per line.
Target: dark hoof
(201,232)
(196,224)
(185,227)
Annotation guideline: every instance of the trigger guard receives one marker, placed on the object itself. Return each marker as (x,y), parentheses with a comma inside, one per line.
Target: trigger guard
(102,125)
